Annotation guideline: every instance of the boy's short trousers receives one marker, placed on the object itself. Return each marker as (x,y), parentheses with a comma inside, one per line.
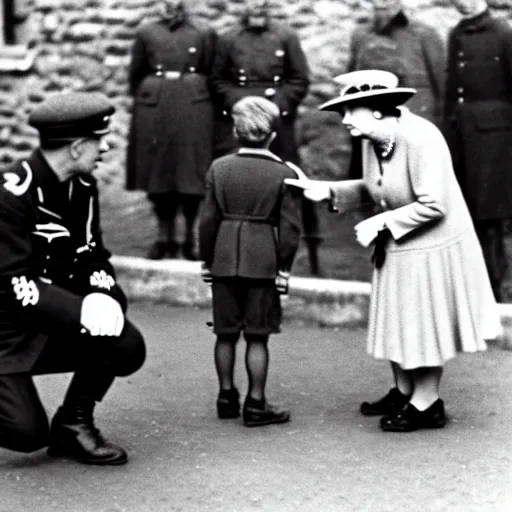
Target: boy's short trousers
(249,305)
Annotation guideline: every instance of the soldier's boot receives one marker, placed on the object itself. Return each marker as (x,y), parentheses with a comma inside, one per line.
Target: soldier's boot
(160,248)
(190,211)
(188,249)
(312,246)
(74,435)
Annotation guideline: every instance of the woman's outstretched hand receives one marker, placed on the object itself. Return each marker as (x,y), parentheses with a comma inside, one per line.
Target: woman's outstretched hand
(315,190)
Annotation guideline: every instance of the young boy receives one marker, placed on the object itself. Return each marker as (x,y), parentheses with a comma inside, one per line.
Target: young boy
(249,232)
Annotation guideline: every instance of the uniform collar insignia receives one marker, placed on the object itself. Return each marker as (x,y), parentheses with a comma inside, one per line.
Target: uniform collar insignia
(15,184)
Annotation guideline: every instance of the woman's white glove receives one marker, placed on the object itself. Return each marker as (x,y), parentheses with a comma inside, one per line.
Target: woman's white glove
(101,315)
(315,190)
(367,230)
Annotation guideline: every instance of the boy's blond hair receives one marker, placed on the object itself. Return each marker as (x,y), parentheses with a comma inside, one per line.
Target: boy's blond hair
(254,119)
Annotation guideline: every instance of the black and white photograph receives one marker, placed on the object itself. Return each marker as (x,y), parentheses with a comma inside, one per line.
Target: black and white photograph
(255,255)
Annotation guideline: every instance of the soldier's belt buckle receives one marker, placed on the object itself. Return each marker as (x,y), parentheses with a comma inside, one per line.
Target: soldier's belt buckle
(172,75)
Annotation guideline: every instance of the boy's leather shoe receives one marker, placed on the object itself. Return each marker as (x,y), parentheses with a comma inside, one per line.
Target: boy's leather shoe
(269,414)
(76,436)
(228,404)
(392,402)
(410,418)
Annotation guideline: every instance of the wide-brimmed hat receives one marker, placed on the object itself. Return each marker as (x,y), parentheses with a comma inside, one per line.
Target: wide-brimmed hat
(371,85)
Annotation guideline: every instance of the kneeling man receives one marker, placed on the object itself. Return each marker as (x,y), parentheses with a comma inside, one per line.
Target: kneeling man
(61,309)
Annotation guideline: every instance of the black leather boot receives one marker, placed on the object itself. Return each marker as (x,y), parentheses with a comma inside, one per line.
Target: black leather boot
(158,251)
(410,418)
(392,402)
(73,434)
(189,252)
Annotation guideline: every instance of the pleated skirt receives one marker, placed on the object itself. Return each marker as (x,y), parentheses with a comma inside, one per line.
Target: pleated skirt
(428,305)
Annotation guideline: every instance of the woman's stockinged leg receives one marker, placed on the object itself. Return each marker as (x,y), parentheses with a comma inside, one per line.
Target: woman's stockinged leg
(426,383)
(403,379)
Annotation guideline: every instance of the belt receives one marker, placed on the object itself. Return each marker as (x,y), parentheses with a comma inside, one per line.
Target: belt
(249,218)
(169,75)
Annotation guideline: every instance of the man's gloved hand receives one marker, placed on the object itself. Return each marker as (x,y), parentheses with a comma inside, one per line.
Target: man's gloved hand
(101,315)
(206,274)
(282,279)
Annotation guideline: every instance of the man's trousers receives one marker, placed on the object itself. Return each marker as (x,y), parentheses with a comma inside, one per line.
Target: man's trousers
(95,361)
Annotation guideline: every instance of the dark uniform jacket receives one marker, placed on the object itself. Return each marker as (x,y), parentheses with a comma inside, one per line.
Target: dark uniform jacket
(171,134)
(412,51)
(250,223)
(52,256)
(250,62)
(478,113)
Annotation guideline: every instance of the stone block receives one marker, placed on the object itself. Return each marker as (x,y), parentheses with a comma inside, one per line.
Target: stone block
(84,32)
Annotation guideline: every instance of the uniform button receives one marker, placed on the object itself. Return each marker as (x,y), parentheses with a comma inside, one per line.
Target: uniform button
(192,69)
(47,256)
(462,64)
(460,90)
(270,92)
(277,78)
(71,276)
(460,100)
(243,78)
(383,203)
(75,260)
(461,53)
(44,271)
(379,182)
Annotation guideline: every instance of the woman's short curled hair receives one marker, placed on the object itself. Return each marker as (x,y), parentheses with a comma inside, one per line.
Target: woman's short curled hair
(254,119)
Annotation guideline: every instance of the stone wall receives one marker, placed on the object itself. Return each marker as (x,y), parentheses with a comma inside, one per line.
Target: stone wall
(85,45)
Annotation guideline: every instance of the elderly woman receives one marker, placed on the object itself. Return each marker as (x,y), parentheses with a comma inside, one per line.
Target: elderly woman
(431,296)
(248,235)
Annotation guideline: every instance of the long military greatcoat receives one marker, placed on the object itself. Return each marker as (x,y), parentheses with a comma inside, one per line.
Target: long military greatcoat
(52,255)
(478,113)
(250,62)
(412,51)
(170,146)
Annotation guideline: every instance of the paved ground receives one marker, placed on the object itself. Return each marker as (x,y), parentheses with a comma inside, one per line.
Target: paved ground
(329,458)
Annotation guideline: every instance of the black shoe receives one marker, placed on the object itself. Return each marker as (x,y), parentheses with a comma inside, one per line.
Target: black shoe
(267,415)
(158,251)
(228,404)
(392,402)
(189,253)
(410,418)
(75,436)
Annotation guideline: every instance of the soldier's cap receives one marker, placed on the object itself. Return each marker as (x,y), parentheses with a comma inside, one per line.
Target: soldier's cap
(365,87)
(68,116)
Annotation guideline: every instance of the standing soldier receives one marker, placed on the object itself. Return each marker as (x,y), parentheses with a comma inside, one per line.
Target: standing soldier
(261,58)
(407,48)
(478,124)
(170,145)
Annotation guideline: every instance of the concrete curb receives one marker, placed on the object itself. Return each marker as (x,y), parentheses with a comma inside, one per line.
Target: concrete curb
(327,302)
